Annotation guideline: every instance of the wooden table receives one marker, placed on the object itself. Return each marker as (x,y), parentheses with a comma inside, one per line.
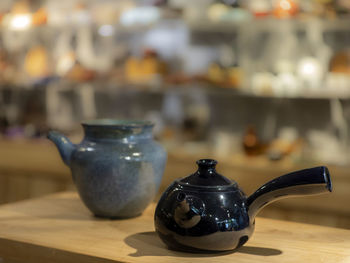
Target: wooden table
(58,228)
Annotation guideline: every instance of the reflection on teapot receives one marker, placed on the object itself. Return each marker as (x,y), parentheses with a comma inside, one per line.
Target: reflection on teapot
(188,211)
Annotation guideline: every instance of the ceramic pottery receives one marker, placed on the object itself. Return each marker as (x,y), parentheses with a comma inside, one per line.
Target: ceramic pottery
(206,211)
(117,168)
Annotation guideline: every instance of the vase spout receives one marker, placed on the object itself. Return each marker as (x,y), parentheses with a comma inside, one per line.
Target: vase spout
(64,145)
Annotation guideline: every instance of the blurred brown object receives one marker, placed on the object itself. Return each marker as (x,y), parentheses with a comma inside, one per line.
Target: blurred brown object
(286,9)
(132,68)
(80,74)
(7,68)
(21,7)
(344,4)
(39,17)
(192,129)
(3,60)
(169,134)
(235,77)
(178,78)
(225,77)
(216,74)
(324,8)
(251,143)
(1,17)
(280,148)
(340,62)
(36,62)
(145,69)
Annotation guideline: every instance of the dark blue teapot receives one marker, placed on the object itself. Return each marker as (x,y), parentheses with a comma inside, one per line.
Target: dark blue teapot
(206,211)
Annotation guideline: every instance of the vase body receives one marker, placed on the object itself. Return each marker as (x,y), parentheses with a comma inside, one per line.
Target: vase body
(117,168)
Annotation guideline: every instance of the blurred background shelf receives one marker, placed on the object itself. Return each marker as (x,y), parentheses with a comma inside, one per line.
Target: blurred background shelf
(209,89)
(270,25)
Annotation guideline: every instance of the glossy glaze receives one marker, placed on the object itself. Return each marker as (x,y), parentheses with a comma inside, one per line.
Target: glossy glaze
(206,211)
(117,167)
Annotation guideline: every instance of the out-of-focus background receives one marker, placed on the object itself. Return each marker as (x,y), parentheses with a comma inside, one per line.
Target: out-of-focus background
(263,86)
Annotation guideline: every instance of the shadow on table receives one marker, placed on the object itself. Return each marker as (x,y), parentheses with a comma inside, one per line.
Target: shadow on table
(149,244)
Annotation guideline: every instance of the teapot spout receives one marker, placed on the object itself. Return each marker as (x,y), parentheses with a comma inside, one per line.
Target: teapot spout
(64,145)
(311,181)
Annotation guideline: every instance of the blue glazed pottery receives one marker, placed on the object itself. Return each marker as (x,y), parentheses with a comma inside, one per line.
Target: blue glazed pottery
(117,168)
(208,212)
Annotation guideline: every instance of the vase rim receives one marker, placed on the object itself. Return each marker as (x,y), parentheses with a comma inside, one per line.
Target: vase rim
(121,123)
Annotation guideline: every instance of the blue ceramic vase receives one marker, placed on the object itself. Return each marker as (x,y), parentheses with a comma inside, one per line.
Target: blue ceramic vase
(117,168)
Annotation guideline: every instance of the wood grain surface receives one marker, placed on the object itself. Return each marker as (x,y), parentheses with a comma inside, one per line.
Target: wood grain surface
(58,228)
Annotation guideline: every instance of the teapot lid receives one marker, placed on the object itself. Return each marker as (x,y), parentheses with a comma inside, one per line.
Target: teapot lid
(206,175)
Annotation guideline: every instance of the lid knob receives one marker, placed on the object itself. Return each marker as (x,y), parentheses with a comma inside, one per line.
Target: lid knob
(206,175)
(206,167)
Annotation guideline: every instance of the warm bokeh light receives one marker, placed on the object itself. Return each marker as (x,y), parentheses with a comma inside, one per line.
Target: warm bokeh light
(18,22)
